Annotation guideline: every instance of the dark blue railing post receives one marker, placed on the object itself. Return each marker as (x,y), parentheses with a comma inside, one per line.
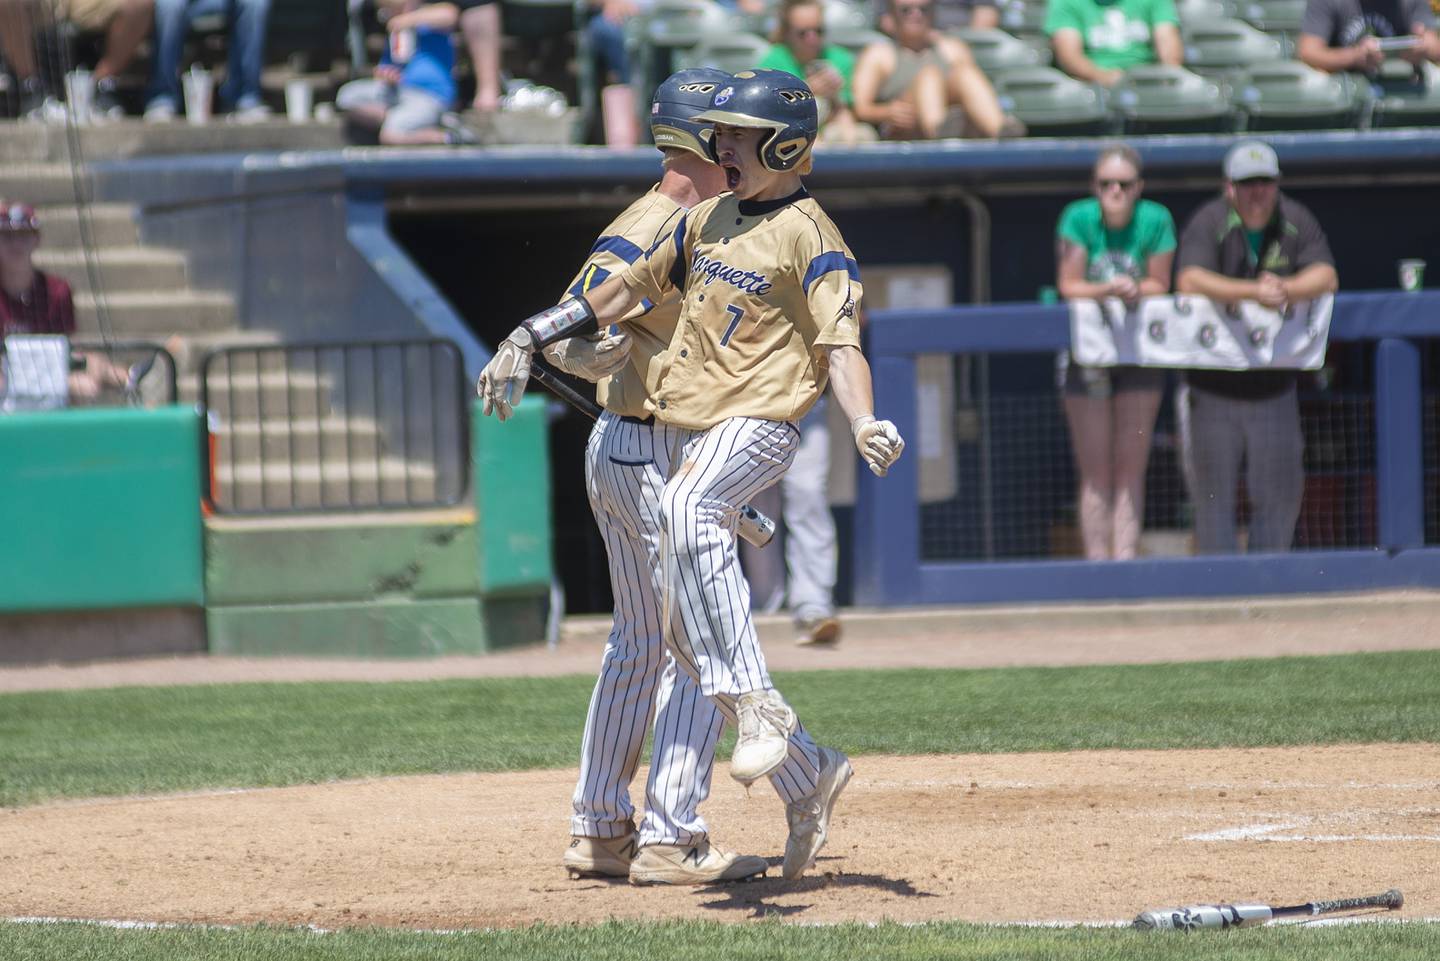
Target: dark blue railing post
(887,509)
(1399,459)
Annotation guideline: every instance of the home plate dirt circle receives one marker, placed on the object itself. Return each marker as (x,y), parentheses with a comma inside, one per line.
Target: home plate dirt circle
(1084,836)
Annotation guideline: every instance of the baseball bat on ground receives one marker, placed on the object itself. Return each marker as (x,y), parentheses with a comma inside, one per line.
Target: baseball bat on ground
(752,525)
(1201,916)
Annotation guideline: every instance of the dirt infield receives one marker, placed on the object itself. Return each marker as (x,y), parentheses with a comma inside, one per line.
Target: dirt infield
(1086,836)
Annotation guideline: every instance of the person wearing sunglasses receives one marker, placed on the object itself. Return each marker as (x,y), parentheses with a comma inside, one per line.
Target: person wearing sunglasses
(1251,243)
(1098,40)
(800,48)
(1112,244)
(906,85)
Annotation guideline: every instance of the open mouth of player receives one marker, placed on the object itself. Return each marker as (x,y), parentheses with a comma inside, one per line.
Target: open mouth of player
(732,175)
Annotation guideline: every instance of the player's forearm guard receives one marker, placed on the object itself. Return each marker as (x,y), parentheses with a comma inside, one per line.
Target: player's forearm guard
(570,318)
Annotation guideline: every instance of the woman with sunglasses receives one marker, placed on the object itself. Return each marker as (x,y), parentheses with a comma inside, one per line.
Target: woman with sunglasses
(906,85)
(1113,244)
(800,50)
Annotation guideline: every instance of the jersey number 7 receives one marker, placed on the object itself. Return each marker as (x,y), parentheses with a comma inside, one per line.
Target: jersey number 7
(737,314)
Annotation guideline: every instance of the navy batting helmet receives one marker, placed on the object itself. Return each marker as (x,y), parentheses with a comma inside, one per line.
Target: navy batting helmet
(776,101)
(677,100)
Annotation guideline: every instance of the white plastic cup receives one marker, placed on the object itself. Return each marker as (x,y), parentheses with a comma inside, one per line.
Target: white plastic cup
(80,93)
(198,88)
(299,99)
(1412,275)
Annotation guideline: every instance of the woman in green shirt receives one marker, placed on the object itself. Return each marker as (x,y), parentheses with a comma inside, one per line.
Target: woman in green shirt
(1113,244)
(800,49)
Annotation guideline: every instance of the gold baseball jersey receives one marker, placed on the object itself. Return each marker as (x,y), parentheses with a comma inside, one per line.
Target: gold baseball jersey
(652,323)
(768,285)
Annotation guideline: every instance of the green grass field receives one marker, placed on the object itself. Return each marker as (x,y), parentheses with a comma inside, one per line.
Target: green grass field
(150,740)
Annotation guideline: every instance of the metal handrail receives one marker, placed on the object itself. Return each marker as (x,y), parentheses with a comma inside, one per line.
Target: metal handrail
(350,402)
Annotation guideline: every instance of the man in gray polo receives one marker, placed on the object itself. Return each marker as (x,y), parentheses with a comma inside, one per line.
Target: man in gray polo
(1251,243)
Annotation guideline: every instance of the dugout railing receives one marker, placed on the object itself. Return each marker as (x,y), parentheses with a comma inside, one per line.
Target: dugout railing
(891,562)
(323,426)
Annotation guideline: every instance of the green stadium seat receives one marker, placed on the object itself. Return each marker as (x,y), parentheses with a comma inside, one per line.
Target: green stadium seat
(1051,103)
(845,14)
(1020,17)
(733,53)
(1189,10)
(1158,98)
(1288,95)
(1273,16)
(1224,46)
(684,23)
(997,51)
(1406,99)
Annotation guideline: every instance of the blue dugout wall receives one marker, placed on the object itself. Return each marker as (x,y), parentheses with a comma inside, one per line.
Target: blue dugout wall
(889,566)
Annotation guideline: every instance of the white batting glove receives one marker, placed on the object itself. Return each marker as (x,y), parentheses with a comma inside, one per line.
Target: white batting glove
(878,442)
(502,382)
(591,358)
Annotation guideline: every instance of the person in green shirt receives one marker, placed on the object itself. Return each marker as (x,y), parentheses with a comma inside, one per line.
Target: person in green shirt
(1113,244)
(1098,40)
(800,49)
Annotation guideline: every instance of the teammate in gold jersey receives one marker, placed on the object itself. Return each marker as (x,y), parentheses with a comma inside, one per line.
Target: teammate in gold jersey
(770,293)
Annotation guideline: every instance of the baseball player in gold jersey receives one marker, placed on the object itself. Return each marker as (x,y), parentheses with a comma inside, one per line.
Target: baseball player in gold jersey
(637,676)
(768,315)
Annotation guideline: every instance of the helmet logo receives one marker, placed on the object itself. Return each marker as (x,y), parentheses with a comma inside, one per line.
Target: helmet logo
(723,97)
(654,108)
(697,87)
(795,96)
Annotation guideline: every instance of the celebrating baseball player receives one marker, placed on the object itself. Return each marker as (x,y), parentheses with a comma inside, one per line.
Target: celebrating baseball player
(768,314)
(624,486)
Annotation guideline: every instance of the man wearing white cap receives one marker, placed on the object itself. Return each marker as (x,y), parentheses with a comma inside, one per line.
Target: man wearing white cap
(1251,243)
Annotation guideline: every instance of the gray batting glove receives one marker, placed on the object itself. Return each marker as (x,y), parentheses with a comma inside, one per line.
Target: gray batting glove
(502,382)
(591,358)
(878,442)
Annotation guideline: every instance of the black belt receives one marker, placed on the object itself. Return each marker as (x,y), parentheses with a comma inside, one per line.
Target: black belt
(638,421)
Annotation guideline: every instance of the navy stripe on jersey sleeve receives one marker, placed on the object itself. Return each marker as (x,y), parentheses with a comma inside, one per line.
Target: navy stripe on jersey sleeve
(826,262)
(593,277)
(678,269)
(620,247)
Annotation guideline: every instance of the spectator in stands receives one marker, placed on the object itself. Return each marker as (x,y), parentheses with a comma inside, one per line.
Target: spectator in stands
(1251,243)
(125,23)
(905,85)
(800,49)
(1113,244)
(480,25)
(240,93)
(952,15)
(605,34)
(1345,35)
(409,98)
(1098,40)
(34,302)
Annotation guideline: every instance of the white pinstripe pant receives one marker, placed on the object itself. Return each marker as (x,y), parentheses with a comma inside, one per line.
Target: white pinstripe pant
(626,467)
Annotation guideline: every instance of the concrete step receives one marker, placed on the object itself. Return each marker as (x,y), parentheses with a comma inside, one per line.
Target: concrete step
(47,183)
(243,395)
(105,225)
(25,142)
(155,315)
(303,441)
(115,269)
(284,486)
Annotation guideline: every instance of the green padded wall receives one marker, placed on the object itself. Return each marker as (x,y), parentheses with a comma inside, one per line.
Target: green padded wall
(512,499)
(100,508)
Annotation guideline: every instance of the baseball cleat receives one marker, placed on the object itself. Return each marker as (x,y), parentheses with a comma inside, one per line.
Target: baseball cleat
(818,632)
(809,817)
(765,724)
(599,857)
(702,863)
